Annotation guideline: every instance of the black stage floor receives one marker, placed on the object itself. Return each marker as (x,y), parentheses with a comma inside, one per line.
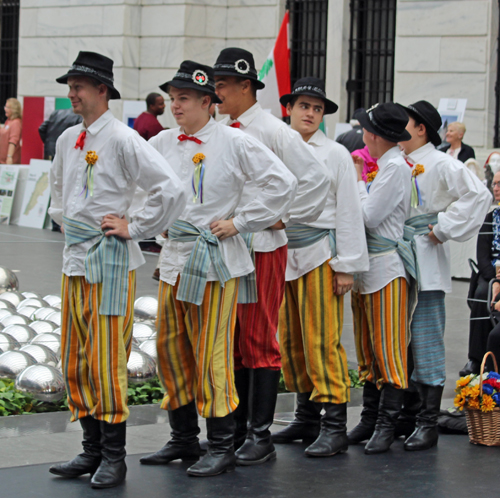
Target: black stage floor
(454,469)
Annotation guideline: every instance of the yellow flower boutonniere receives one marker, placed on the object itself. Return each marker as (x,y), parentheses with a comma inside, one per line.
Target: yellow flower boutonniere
(88,181)
(199,173)
(416,198)
(418,170)
(371,176)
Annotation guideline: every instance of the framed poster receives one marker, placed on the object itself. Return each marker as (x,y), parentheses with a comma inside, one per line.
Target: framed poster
(8,183)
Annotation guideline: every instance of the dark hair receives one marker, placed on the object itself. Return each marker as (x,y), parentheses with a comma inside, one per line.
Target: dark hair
(97,84)
(151,99)
(416,118)
(293,100)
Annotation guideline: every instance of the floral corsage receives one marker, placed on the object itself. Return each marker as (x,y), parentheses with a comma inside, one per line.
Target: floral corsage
(88,179)
(416,198)
(199,173)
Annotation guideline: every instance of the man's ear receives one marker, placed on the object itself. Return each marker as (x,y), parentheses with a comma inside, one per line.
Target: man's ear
(288,109)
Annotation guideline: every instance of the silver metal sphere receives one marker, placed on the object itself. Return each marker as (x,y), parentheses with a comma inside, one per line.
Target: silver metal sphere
(43,382)
(34,302)
(52,299)
(146,308)
(29,295)
(8,280)
(23,334)
(41,353)
(12,296)
(42,313)
(57,331)
(8,343)
(149,347)
(49,339)
(143,331)
(15,320)
(135,347)
(54,317)
(27,311)
(12,363)
(141,367)
(7,305)
(42,326)
(6,313)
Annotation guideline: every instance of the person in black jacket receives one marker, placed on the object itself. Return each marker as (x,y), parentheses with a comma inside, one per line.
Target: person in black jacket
(353,139)
(52,128)
(456,148)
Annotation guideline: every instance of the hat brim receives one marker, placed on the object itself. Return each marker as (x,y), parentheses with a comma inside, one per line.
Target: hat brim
(257,82)
(330,107)
(431,132)
(114,93)
(191,86)
(365,122)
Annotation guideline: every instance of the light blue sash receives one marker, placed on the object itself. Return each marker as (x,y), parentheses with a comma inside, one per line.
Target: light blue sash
(421,223)
(247,288)
(300,236)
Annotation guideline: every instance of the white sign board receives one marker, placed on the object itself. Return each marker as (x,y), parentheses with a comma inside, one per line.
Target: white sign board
(131,110)
(8,183)
(451,110)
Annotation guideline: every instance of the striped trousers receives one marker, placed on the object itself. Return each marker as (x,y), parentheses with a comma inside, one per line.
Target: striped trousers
(310,330)
(381,333)
(255,336)
(94,351)
(195,349)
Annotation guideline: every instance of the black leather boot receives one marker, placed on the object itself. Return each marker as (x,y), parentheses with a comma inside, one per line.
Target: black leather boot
(407,419)
(220,456)
(184,443)
(364,430)
(305,425)
(113,469)
(426,434)
(258,446)
(88,461)
(391,400)
(333,435)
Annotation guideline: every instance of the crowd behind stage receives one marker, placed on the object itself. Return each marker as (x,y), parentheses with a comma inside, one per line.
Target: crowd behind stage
(265,227)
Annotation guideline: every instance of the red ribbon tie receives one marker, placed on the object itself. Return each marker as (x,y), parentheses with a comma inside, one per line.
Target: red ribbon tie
(236,124)
(183,137)
(81,140)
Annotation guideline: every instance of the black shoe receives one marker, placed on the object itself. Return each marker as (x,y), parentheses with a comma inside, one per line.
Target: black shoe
(426,434)
(471,367)
(220,454)
(364,430)
(88,461)
(184,443)
(407,419)
(333,435)
(113,469)
(258,447)
(305,425)
(391,400)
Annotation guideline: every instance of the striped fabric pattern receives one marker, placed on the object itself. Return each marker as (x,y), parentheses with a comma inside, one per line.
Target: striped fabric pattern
(300,236)
(195,349)
(427,339)
(256,345)
(107,262)
(381,332)
(194,274)
(247,292)
(421,223)
(311,321)
(94,351)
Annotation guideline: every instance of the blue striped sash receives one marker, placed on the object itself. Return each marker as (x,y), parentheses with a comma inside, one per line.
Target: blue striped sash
(106,262)
(421,223)
(300,236)
(247,289)
(194,274)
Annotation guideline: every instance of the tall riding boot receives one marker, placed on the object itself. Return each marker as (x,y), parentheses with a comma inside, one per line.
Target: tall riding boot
(113,469)
(364,430)
(184,438)
(220,453)
(88,461)
(258,446)
(305,425)
(391,400)
(333,435)
(407,419)
(426,435)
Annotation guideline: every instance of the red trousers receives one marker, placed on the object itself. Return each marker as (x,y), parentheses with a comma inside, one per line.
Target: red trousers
(255,342)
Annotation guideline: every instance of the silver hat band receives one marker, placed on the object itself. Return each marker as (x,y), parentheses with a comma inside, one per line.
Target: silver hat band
(85,69)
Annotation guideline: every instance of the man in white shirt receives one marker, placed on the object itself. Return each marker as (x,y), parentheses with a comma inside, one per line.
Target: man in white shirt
(202,259)
(257,354)
(439,181)
(380,307)
(322,259)
(96,170)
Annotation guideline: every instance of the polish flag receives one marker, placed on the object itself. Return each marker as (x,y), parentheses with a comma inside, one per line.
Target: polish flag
(275,73)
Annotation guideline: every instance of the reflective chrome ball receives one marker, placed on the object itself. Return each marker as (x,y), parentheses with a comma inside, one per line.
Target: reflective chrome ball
(54,317)
(52,299)
(42,326)
(141,367)
(12,296)
(57,331)
(12,363)
(7,305)
(5,313)
(41,353)
(27,311)
(16,320)
(51,340)
(23,334)
(8,280)
(149,347)
(8,343)
(32,301)
(145,308)
(43,382)
(43,313)
(29,295)
(143,331)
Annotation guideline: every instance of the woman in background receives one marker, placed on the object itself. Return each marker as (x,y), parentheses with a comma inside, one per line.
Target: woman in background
(10,134)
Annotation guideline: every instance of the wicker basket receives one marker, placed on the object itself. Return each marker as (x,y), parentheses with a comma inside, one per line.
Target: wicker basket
(484,428)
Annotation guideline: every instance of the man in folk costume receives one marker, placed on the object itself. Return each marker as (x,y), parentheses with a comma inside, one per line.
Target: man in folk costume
(257,354)
(96,170)
(322,259)
(204,256)
(438,182)
(380,305)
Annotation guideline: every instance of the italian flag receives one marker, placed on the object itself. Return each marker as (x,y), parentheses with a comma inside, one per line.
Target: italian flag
(275,73)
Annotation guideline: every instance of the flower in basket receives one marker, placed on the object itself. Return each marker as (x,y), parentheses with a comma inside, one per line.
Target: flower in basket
(469,393)
(487,389)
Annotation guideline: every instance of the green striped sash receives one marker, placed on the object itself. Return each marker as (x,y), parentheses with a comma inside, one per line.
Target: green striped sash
(106,262)
(247,289)
(421,223)
(300,236)
(194,274)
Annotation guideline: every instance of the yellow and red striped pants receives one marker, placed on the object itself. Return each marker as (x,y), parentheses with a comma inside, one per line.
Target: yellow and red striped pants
(94,351)
(310,330)
(195,349)
(381,332)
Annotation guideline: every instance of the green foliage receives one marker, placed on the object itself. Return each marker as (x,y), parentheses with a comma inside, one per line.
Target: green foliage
(145,394)
(13,402)
(354,376)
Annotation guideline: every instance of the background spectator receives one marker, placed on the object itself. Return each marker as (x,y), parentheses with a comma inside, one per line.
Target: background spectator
(10,134)
(456,148)
(147,124)
(353,139)
(50,129)
(491,167)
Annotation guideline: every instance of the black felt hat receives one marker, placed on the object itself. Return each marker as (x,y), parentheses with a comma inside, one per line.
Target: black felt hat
(195,76)
(387,120)
(237,62)
(314,87)
(426,113)
(93,65)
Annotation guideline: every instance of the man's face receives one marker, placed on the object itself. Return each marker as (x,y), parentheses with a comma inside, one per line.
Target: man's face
(186,105)
(306,114)
(230,91)
(158,108)
(412,128)
(84,95)
(453,134)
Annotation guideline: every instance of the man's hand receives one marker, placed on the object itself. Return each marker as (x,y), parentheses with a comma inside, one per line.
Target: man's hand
(494,291)
(432,236)
(279,225)
(359,164)
(342,283)
(117,226)
(223,229)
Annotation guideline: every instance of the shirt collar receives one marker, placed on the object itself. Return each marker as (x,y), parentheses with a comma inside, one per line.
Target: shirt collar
(417,155)
(248,116)
(99,124)
(205,133)
(318,139)
(391,154)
